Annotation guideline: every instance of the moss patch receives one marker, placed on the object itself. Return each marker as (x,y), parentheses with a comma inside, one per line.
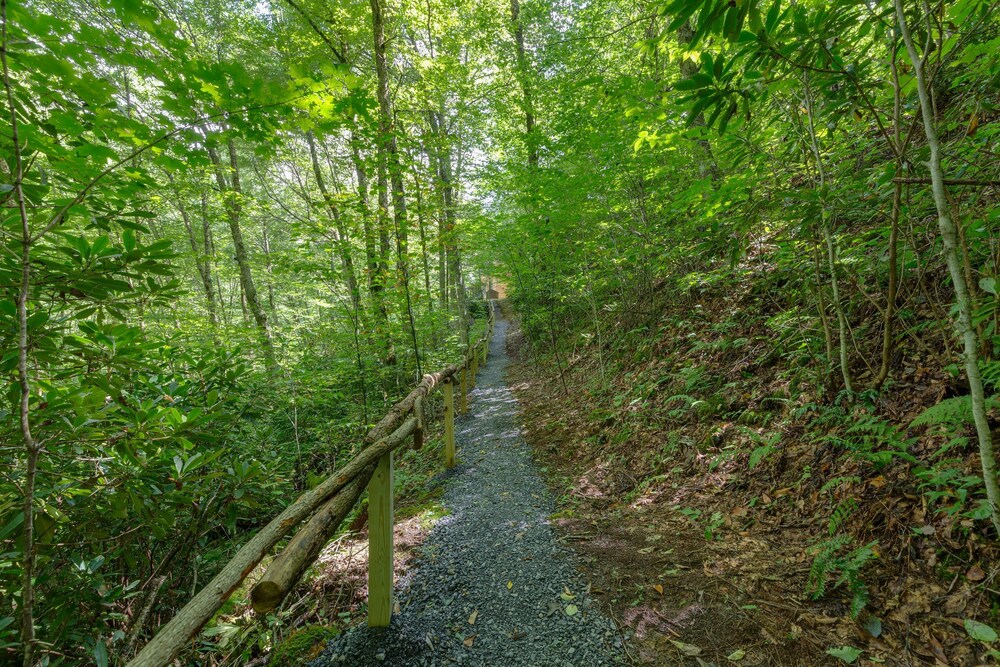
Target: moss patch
(302,646)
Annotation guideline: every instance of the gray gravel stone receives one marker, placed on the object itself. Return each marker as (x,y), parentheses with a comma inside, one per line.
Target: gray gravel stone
(495,554)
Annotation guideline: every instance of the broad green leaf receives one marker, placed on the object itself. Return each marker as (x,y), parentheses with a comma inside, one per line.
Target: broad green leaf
(847,654)
(980,631)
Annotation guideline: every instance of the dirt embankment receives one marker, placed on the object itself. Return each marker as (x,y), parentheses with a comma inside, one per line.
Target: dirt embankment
(727,517)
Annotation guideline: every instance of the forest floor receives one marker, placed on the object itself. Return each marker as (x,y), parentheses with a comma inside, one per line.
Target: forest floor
(490,585)
(706,566)
(697,562)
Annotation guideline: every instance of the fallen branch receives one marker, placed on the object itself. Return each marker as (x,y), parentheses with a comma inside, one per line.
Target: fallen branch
(285,570)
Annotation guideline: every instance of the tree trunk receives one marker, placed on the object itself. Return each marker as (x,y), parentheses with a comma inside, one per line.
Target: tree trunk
(390,168)
(232,193)
(375,259)
(32,449)
(265,238)
(200,256)
(456,287)
(530,137)
(421,228)
(343,241)
(831,251)
(431,147)
(949,238)
(382,185)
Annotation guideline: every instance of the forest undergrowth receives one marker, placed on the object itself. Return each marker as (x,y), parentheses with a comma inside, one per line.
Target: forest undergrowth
(755,242)
(731,512)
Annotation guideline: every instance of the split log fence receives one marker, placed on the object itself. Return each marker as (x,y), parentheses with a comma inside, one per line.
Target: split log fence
(322,509)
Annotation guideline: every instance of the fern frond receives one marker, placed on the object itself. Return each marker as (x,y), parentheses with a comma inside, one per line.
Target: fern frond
(824,563)
(840,515)
(837,481)
(952,412)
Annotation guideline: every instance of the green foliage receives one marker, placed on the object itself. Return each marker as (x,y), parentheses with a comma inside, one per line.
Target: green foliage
(765,444)
(848,654)
(195,354)
(841,513)
(863,435)
(835,559)
(980,631)
(736,160)
(837,482)
(951,412)
(951,491)
(715,522)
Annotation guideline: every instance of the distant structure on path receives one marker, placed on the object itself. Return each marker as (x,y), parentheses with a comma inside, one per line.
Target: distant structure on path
(494,289)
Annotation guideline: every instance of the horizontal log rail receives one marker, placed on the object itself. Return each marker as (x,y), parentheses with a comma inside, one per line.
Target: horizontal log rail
(320,512)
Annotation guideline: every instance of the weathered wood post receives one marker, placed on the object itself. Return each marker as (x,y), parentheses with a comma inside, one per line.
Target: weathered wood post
(418,412)
(380,544)
(449,423)
(463,405)
(475,365)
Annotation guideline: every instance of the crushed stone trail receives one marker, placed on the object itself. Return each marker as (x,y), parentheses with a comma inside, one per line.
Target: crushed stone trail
(493,560)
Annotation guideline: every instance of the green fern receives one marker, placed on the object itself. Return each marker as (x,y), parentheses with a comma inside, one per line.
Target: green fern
(802,411)
(759,454)
(950,491)
(824,563)
(873,439)
(951,412)
(838,481)
(841,513)
(689,401)
(831,559)
(991,373)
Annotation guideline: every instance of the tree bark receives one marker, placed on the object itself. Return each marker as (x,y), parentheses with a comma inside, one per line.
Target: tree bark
(434,162)
(343,241)
(889,316)
(949,238)
(389,166)
(32,450)
(200,255)
(831,251)
(456,286)
(375,260)
(530,137)
(422,229)
(232,193)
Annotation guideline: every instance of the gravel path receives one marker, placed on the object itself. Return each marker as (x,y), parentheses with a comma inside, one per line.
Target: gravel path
(492,588)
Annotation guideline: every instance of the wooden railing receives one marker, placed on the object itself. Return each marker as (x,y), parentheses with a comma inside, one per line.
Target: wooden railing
(323,508)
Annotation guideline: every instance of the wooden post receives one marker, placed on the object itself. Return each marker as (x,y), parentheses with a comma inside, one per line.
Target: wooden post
(380,544)
(475,366)
(418,412)
(449,424)
(463,406)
